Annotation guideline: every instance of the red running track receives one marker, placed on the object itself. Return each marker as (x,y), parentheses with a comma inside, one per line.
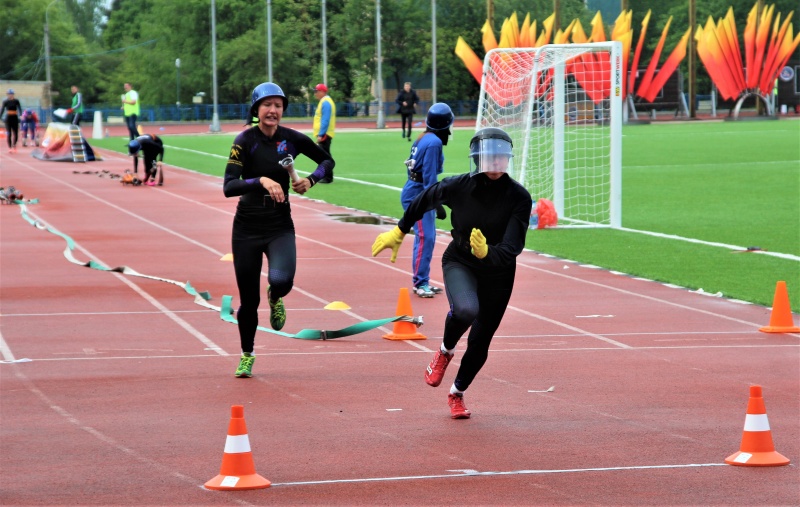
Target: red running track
(117,390)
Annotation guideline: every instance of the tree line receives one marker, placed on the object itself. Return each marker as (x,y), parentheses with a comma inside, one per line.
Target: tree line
(99,46)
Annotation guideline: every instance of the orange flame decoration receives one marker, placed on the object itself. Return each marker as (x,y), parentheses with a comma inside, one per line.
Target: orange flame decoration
(768,47)
(764,54)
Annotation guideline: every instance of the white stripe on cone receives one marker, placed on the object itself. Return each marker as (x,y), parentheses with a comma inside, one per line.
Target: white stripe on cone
(238,443)
(753,422)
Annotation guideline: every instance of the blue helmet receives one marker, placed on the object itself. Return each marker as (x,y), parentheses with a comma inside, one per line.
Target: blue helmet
(134,146)
(440,117)
(263,91)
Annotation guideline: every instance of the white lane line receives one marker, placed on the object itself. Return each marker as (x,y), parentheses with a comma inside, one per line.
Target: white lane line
(384,265)
(475,473)
(167,471)
(276,353)
(636,231)
(571,328)
(124,279)
(637,294)
(8,356)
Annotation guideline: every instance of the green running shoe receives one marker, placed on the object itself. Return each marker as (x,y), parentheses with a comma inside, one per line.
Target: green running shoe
(245,369)
(277,313)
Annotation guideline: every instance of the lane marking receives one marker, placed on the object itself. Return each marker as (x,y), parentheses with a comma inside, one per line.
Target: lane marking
(147,297)
(167,471)
(5,350)
(637,294)
(583,332)
(327,352)
(636,231)
(475,473)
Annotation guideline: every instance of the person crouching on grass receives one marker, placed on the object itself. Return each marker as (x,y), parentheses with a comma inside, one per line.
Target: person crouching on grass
(258,172)
(490,214)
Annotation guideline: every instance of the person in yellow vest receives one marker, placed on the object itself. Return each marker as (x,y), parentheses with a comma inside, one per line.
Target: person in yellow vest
(130,109)
(324,123)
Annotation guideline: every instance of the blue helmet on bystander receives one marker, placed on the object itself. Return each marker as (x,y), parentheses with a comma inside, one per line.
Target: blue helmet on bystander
(440,117)
(134,147)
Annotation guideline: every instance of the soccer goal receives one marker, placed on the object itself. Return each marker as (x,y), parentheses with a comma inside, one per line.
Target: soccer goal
(562,106)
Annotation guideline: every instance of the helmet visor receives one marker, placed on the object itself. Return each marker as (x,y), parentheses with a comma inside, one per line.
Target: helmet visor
(491,156)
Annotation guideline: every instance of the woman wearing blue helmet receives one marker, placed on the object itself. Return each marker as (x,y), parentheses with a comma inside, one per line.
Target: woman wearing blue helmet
(489,212)
(259,166)
(425,163)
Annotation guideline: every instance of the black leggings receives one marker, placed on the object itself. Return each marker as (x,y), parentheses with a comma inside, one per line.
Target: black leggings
(12,130)
(406,118)
(479,299)
(248,257)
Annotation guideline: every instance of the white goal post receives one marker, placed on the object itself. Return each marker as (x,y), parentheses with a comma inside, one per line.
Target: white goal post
(562,106)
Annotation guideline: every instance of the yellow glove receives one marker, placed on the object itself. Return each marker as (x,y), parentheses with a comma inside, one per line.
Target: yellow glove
(392,239)
(478,244)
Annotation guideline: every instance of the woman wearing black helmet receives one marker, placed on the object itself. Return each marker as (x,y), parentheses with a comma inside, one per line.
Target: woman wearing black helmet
(424,165)
(258,172)
(489,213)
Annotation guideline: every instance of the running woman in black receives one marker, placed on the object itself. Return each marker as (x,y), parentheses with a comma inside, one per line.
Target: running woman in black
(258,171)
(13,109)
(490,215)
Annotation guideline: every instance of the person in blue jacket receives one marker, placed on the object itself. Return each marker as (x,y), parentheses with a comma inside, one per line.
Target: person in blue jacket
(424,165)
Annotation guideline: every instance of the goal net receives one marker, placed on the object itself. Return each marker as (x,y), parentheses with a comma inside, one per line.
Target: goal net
(562,106)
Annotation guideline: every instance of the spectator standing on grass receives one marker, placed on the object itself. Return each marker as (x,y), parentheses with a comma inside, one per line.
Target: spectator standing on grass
(12,109)
(152,148)
(407,100)
(130,109)
(324,123)
(258,172)
(424,165)
(76,109)
(490,214)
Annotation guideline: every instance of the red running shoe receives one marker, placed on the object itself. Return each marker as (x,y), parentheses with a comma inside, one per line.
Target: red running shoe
(457,408)
(435,371)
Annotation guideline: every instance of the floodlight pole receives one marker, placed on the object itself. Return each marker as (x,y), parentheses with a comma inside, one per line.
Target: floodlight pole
(692,61)
(379,79)
(178,84)
(269,40)
(324,46)
(47,54)
(215,117)
(433,51)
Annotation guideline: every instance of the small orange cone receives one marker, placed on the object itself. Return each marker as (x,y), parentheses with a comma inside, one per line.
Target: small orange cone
(238,471)
(404,330)
(781,319)
(757,449)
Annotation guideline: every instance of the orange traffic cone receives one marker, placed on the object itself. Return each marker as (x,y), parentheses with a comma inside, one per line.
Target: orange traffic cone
(757,449)
(404,330)
(238,470)
(781,319)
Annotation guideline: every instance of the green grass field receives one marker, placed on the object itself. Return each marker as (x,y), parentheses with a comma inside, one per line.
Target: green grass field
(721,183)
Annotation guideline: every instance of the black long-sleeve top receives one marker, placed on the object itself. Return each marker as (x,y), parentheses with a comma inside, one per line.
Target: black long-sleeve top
(12,106)
(501,209)
(254,155)
(152,146)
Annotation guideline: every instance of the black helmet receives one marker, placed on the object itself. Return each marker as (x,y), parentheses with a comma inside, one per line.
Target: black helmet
(440,117)
(263,91)
(490,142)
